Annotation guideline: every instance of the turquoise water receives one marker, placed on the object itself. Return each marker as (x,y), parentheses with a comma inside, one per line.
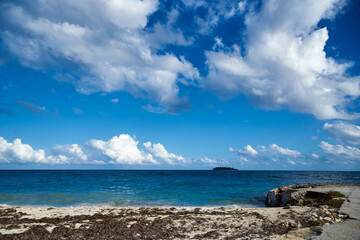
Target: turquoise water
(152,188)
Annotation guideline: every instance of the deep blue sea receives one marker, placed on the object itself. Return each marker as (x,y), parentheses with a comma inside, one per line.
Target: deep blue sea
(152,187)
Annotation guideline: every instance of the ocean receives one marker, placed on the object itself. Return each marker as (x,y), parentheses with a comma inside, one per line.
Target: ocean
(132,188)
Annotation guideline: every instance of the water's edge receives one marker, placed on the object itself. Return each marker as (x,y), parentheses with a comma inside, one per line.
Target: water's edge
(152,188)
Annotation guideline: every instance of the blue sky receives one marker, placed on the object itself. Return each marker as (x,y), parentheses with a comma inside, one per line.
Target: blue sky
(256,85)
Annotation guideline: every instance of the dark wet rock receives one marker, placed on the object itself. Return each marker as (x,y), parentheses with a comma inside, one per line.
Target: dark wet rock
(273,198)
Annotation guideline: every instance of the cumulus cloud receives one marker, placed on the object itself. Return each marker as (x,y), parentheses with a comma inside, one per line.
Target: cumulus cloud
(104,39)
(247,150)
(269,155)
(208,160)
(246,155)
(340,152)
(285,63)
(23,153)
(291,162)
(70,153)
(280,151)
(158,150)
(273,153)
(344,132)
(122,149)
(316,156)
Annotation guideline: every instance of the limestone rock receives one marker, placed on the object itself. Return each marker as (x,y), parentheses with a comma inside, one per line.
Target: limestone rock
(293,197)
(279,197)
(303,195)
(273,198)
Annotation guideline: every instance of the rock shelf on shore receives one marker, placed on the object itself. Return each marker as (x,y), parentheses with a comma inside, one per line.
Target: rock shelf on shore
(304,195)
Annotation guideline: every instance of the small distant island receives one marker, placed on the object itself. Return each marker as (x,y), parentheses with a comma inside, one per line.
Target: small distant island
(225,169)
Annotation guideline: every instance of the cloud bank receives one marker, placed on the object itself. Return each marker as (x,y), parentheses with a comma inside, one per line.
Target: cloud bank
(122,149)
(339,152)
(125,150)
(270,154)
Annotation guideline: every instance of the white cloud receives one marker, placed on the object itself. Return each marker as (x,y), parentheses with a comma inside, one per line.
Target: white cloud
(215,12)
(115,100)
(239,8)
(208,160)
(280,151)
(106,40)
(316,156)
(314,138)
(247,154)
(122,149)
(285,62)
(158,150)
(19,152)
(72,153)
(247,150)
(344,132)
(339,151)
(218,43)
(291,162)
(270,154)
(128,14)
(167,33)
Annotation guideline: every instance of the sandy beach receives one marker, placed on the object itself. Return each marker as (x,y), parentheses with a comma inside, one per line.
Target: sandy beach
(289,222)
(155,223)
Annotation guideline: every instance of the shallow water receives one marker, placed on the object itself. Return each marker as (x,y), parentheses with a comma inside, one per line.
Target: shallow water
(152,187)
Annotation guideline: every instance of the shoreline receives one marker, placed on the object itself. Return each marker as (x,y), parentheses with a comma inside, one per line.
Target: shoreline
(174,222)
(104,206)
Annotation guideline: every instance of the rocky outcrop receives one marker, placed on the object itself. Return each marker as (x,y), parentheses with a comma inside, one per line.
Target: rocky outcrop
(303,195)
(279,197)
(273,198)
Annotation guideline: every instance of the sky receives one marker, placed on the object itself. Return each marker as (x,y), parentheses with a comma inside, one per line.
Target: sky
(180,84)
